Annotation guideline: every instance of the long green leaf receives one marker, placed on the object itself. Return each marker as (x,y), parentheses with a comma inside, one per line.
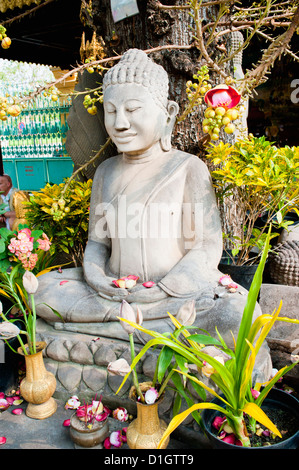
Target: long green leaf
(242,348)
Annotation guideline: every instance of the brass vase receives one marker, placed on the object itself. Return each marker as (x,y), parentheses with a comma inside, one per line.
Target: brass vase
(38,385)
(146,431)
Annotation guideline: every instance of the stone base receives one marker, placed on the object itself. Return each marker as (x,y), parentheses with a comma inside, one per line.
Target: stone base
(283,339)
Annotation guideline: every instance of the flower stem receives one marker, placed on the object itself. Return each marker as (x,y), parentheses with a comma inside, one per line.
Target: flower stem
(135,378)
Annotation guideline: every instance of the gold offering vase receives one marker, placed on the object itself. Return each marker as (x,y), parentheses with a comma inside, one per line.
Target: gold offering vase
(38,385)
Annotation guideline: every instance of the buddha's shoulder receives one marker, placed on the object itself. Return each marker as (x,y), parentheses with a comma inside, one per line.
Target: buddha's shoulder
(107,164)
(191,160)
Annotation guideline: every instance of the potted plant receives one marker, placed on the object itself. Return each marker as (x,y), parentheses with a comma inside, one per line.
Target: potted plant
(62,211)
(230,370)
(23,252)
(89,425)
(263,180)
(146,431)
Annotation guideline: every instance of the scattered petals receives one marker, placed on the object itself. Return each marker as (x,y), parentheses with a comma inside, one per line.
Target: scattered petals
(120,414)
(229,439)
(151,396)
(73,403)
(126,282)
(4,404)
(107,443)
(227,282)
(2,440)
(149,284)
(17,411)
(66,422)
(62,282)
(218,422)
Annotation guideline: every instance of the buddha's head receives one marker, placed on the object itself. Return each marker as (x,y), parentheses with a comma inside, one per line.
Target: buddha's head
(138,113)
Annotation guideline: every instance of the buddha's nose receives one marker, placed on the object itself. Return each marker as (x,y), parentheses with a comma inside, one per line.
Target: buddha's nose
(121,120)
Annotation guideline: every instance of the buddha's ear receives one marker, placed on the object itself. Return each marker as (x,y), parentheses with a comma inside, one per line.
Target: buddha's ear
(172,111)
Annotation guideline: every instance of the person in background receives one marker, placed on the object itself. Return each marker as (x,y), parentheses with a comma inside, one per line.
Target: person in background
(7,192)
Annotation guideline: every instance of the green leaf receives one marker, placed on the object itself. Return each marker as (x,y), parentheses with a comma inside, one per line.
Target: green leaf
(204,339)
(164,359)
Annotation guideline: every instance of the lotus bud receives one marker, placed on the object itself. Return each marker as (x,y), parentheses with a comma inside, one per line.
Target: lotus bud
(187,313)
(119,367)
(8,330)
(151,396)
(30,282)
(254,393)
(127,312)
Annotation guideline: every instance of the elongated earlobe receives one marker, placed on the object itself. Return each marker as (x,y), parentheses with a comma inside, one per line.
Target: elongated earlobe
(172,109)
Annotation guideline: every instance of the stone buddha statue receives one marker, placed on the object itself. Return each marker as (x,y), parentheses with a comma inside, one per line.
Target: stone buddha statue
(153,215)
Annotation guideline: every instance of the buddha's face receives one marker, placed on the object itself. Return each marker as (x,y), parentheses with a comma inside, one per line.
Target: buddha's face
(133,120)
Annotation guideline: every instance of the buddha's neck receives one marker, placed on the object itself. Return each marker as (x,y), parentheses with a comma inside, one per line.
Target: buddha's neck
(146,156)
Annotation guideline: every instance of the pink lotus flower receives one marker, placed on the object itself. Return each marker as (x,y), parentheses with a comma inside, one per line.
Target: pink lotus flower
(73,403)
(151,395)
(44,243)
(222,95)
(126,282)
(120,414)
(116,439)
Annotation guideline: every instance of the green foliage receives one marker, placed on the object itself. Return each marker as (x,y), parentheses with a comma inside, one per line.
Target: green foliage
(262,179)
(233,376)
(62,211)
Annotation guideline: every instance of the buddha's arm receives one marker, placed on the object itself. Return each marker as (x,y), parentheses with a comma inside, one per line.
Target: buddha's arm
(98,248)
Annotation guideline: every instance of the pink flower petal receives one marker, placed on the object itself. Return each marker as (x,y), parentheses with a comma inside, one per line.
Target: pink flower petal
(222,95)
(17,411)
(107,443)
(135,278)
(2,440)
(229,439)
(66,422)
(62,282)
(10,400)
(148,284)
(2,395)
(17,401)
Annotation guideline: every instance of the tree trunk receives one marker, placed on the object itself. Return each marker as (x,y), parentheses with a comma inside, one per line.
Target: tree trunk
(150,28)
(154,27)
